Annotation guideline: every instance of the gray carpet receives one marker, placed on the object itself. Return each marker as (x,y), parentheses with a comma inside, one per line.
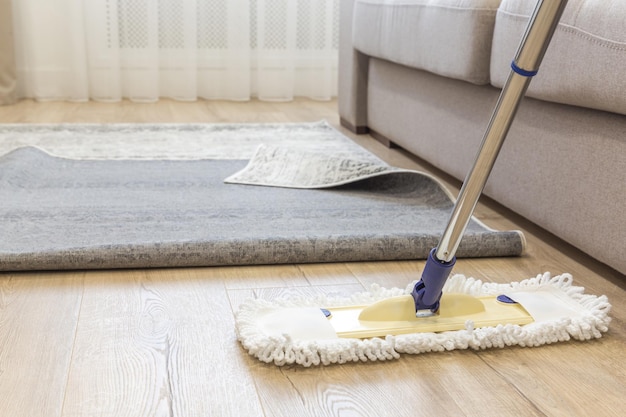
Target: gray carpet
(90,214)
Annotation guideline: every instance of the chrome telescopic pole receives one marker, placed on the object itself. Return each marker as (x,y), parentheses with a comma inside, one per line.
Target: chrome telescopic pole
(525,65)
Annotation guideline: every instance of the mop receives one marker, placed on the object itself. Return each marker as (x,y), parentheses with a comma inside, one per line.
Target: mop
(437,312)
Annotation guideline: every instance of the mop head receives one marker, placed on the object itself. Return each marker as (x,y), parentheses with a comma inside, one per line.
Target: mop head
(572,315)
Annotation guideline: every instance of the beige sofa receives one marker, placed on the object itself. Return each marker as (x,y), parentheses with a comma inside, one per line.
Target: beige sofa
(425,75)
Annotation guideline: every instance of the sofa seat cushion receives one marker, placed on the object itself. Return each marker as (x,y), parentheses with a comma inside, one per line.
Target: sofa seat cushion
(446,37)
(584,64)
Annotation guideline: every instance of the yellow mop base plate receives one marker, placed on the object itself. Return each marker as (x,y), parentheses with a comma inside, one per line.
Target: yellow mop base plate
(396,315)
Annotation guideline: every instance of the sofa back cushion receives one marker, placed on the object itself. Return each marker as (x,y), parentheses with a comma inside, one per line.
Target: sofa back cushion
(447,37)
(585,63)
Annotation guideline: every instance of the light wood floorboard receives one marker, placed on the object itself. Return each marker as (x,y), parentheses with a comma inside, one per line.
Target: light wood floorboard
(161,342)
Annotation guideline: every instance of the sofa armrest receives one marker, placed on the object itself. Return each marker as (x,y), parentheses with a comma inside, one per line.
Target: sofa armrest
(353,73)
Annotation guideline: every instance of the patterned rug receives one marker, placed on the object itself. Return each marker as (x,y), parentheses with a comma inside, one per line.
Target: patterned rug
(139,196)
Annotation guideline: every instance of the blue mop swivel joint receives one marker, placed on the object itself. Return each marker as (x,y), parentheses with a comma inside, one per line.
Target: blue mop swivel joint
(428,290)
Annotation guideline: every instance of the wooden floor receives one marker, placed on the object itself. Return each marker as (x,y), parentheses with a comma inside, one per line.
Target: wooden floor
(162,342)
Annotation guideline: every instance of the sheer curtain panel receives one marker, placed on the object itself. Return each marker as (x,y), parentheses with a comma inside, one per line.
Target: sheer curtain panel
(7,58)
(183,49)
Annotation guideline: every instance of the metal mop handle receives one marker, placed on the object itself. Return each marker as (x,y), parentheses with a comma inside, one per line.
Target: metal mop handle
(525,65)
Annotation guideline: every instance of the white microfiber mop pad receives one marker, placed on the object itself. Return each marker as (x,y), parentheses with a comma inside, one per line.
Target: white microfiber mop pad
(560,311)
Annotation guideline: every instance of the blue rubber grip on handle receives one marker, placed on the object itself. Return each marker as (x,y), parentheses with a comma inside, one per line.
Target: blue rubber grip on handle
(427,291)
(523,72)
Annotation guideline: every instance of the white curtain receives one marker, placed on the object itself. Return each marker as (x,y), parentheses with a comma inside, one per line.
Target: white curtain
(7,57)
(107,50)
